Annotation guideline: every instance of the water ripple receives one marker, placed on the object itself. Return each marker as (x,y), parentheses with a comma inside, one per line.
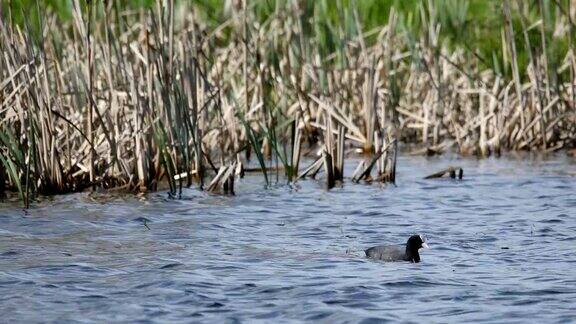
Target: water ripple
(502,251)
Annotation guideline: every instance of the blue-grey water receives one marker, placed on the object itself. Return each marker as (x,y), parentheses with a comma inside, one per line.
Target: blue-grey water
(503,249)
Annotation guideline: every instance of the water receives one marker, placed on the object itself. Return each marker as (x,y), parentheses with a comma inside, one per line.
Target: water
(503,249)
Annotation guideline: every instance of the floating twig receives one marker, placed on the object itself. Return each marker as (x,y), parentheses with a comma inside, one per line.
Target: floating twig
(451,172)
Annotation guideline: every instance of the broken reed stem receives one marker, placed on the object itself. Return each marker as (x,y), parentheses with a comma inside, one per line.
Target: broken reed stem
(365,173)
(312,169)
(223,182)
(394,161)
(329,169)
(358,171)
(339,167)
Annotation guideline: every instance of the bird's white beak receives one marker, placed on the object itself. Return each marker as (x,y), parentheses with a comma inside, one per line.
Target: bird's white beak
(425,246)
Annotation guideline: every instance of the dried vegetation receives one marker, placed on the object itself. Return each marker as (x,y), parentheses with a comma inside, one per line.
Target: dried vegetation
(132,98)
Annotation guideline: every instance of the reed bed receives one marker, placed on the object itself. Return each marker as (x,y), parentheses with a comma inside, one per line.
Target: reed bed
(129,99)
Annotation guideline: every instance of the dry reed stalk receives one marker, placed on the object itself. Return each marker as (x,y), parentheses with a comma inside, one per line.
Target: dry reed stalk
(369,106)
(296,148)
(543,29)
(509,32)
(339,163)
(146,96)
(538,79)
(2,179)
(377,146)
(358,171)
(394,162)
(483,125)
(90,77)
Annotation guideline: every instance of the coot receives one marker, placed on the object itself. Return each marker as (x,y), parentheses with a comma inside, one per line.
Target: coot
(399,253)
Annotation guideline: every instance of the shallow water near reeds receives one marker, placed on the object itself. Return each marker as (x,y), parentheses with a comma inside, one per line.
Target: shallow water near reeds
(503,249)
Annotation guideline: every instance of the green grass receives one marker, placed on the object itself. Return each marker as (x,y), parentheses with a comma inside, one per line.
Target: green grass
(475,25)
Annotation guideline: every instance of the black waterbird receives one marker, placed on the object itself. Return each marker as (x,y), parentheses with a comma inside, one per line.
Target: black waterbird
(399,253)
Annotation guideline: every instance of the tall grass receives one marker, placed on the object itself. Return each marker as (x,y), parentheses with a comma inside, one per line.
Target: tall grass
(107,95)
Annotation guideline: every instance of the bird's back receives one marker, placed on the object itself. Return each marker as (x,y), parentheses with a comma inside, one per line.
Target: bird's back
(387,253)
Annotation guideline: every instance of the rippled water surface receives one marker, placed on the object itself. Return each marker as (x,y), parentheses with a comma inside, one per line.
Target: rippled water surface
(503,249)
